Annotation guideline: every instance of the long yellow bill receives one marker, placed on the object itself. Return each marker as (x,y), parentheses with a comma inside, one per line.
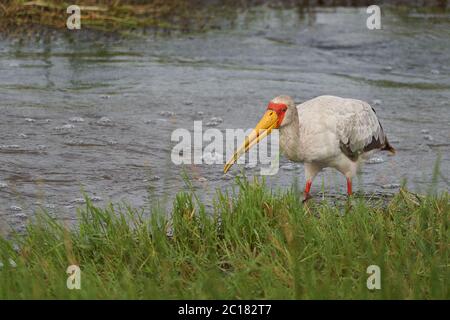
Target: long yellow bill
(264,127)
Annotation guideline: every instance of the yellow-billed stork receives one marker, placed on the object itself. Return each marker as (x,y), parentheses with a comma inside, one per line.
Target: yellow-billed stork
(326,131)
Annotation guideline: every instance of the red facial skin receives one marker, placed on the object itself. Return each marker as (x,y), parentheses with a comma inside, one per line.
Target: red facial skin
(280,109)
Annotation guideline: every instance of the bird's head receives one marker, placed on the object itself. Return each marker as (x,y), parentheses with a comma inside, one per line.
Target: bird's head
(279,113)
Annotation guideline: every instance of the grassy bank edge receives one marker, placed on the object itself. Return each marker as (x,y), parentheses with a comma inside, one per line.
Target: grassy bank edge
(254,243)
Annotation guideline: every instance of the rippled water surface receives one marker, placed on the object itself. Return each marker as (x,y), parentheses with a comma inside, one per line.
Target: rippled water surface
(97,115)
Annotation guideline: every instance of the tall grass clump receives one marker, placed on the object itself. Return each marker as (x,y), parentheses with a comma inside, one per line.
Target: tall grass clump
(254,243)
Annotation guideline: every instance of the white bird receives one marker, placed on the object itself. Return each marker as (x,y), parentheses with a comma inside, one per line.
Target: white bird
(326,131)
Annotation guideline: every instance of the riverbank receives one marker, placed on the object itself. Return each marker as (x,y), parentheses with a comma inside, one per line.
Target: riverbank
(18,16)
(28,17)
(255,243)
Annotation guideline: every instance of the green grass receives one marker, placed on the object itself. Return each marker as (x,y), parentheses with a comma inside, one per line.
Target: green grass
(253,243)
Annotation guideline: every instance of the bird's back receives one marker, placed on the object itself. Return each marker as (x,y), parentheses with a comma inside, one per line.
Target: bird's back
(339,125)
(332,106)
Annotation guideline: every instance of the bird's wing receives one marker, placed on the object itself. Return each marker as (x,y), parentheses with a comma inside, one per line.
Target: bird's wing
(358,128)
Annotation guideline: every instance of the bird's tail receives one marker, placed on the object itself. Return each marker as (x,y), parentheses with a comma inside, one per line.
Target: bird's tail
(388,147)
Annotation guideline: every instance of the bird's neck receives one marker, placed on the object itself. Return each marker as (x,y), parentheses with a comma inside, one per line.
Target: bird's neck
(290,138)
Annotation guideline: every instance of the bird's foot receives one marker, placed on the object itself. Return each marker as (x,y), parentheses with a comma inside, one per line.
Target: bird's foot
(306,197)
(349,204)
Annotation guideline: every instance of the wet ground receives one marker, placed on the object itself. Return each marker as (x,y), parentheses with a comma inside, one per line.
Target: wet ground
(97,115)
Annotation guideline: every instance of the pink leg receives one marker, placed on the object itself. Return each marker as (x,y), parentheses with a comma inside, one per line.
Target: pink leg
(349,187)
(307,189)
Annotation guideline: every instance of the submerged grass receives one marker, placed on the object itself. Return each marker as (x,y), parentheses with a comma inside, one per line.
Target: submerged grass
(255,243)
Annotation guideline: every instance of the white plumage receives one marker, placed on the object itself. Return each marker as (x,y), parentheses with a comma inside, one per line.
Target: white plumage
(326,131)
(330,131)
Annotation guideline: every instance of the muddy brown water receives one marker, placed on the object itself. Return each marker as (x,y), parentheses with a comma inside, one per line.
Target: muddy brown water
(96,115)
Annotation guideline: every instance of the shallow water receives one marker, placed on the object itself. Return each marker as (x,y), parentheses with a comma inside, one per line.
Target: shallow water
(97,114)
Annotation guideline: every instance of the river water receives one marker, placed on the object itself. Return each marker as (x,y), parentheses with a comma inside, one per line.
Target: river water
(95,114)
